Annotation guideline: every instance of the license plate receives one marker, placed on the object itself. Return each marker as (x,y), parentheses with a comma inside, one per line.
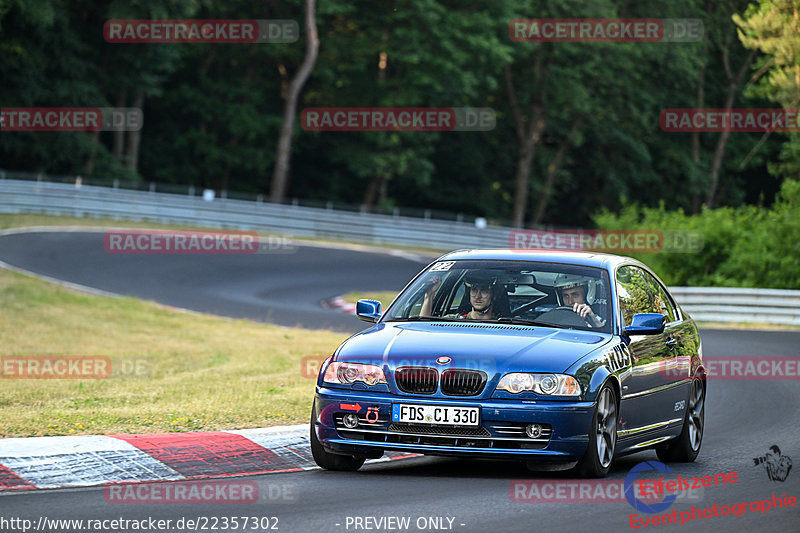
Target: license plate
(444,415)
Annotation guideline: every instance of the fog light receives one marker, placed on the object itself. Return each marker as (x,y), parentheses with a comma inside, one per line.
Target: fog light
(350,420)
(533,430)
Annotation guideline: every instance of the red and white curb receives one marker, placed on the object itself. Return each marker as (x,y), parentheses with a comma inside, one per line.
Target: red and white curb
(75,461)
(337,303)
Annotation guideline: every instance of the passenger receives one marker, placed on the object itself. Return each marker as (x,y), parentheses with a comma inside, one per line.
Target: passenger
(481,287)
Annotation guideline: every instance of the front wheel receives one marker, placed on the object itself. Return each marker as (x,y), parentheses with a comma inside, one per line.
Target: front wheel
(684,448)
(331,461)
(596,462)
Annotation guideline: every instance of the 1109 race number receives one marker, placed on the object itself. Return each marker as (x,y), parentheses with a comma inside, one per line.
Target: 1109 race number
(436,414)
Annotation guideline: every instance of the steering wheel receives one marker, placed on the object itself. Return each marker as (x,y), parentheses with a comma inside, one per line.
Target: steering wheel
(522,308)
(563,316)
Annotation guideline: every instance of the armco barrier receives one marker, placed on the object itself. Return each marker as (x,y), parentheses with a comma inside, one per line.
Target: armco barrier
(20,196)
(726,304)
(23,196)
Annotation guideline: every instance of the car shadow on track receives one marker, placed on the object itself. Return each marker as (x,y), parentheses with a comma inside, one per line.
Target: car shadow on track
(441,467)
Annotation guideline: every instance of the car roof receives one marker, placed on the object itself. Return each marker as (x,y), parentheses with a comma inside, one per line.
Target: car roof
(606,261)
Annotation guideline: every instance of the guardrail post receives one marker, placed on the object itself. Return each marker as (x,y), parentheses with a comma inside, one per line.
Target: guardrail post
(223,194)
(116,183)
(152,186)
(191,190)
(260,198)
(427,214)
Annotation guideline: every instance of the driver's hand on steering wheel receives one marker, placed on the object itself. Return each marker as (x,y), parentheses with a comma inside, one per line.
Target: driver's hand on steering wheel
(586,313)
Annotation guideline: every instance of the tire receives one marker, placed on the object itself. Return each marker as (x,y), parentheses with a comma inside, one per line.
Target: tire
(599,455)
(331,461)
(686,447)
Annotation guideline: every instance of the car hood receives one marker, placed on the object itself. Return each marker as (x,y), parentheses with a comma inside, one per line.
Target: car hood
(493,348)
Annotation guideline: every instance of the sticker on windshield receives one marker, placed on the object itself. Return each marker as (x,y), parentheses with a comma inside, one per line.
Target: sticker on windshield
(442,266)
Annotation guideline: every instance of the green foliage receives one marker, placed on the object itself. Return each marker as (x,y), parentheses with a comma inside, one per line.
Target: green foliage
(747,246)
(773,27)
(212,112)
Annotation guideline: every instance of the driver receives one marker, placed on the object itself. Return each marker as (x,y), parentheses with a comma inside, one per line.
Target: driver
(481,287)
(574,290)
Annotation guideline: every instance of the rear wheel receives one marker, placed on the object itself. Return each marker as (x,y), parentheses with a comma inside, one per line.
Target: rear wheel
(331,461)
(602,436)
(684,448)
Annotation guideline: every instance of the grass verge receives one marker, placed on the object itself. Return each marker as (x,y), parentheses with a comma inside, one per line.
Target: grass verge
(171,370)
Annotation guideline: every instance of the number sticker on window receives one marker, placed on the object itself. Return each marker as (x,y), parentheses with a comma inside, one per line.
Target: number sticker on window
(442,266)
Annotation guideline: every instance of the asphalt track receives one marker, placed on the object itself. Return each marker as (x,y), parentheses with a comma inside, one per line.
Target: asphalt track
(278,286)
(743,418)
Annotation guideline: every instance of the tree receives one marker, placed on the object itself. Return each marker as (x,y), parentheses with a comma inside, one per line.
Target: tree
(722,36)
(280,176)
(431,53)
(773,27)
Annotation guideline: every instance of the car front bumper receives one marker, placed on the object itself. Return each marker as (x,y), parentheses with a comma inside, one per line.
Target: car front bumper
(501,435)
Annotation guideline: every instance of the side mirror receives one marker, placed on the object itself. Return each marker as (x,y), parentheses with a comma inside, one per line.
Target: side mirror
(368,310)
(646,324)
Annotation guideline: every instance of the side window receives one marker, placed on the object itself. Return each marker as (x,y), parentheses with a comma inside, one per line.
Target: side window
(662,301)
(634,297)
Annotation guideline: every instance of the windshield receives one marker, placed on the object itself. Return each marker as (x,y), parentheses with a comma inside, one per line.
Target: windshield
(522,292)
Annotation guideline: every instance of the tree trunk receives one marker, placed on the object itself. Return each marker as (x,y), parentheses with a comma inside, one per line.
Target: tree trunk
(522,178)
(134,137)
(88,168)
(722,141)
(528,136)
(119,136)
(701,102)
(555,164)
(280,176)
(376,191)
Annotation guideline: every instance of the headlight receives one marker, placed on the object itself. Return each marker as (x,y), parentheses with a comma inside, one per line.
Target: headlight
(347,373)
(546,384)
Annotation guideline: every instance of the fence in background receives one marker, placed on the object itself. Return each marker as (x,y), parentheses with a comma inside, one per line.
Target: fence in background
(726,304)
(20,196)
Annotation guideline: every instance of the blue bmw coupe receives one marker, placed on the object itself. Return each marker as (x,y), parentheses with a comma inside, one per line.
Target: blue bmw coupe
(558,359)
